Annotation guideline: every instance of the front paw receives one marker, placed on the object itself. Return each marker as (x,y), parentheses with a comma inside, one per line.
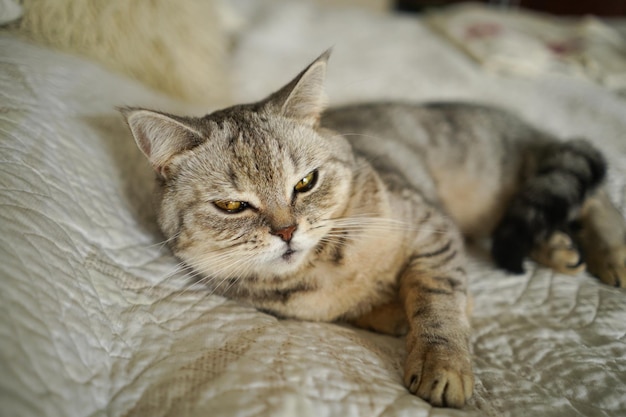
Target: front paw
(439,374)
(610,266)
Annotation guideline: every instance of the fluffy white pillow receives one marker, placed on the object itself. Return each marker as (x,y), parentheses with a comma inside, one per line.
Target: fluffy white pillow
(175,46)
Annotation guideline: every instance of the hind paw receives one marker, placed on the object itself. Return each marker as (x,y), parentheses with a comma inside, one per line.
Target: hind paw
(560,253)
(610,266)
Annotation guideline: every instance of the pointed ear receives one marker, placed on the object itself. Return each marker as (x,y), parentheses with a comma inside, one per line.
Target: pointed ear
(160,136)
(303,98)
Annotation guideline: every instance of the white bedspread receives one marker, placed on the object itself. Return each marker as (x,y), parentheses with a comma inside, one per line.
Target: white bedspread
(90,325)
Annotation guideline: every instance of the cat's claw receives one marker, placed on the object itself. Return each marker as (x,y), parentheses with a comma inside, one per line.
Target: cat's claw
(440,376)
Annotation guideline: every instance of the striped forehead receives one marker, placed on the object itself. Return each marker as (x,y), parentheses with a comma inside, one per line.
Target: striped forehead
(258,159)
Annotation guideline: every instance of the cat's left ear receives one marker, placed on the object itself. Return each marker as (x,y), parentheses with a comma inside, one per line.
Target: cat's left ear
(303,98)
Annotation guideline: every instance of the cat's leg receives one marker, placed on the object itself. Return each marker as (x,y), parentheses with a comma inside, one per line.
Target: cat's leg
(390,318)
(602,237)
(433,292)
(560,253)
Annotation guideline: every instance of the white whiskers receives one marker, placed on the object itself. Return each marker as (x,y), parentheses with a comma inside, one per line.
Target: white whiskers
(364,223)
(220,270)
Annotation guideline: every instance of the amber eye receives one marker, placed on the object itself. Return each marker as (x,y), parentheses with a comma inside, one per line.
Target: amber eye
(231,206)
(306,183)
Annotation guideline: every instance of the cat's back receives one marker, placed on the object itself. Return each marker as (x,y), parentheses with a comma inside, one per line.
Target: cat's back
(432,137)
(431,124)
(467,156)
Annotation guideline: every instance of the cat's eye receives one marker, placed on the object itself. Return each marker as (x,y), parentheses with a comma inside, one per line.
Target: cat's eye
(231,206)
(306,183)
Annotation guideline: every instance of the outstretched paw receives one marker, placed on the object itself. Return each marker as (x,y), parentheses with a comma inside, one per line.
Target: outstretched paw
(440,375)
(560,253)
(610,266)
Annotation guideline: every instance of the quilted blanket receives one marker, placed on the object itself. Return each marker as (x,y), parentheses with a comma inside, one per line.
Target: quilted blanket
(96,321)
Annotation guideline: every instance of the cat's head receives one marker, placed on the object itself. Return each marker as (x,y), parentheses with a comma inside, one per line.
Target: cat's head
(249,191)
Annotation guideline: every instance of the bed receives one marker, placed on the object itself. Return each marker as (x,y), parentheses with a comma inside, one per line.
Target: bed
(95,321)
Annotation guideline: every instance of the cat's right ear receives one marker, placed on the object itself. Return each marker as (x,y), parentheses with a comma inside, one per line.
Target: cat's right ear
(160,136)
(303,99)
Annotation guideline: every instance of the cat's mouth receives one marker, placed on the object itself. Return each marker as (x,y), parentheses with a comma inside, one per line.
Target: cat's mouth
(290,256)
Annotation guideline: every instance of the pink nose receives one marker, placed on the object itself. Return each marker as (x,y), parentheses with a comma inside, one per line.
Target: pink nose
(286,233)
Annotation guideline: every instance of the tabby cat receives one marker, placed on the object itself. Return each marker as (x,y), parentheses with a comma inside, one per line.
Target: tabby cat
(357,213)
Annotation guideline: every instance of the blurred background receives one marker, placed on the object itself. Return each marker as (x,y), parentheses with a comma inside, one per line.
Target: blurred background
(559,7)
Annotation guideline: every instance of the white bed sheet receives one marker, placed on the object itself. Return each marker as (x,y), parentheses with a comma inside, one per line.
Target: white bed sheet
(89,325)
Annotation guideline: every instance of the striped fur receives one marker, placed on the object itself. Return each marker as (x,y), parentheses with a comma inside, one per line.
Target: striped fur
(375,238)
